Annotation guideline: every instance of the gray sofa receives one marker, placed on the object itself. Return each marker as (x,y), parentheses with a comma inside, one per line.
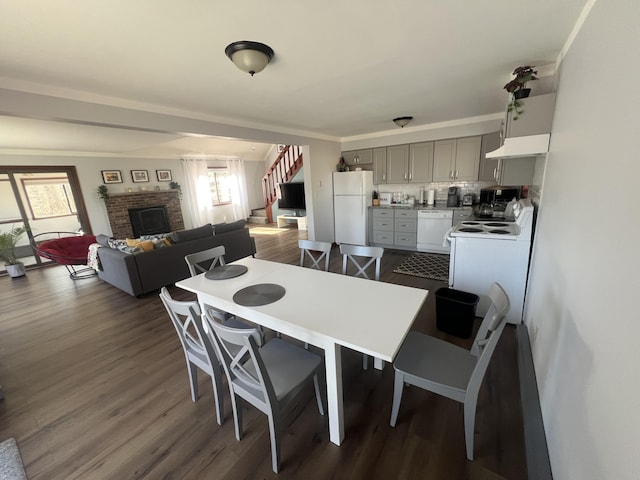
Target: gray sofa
(143,272)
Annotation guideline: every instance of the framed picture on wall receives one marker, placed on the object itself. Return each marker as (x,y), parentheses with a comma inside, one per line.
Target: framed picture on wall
(111,176)
(163,175)
(139,176)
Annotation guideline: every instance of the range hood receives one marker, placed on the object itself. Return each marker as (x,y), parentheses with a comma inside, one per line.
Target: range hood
(522,147)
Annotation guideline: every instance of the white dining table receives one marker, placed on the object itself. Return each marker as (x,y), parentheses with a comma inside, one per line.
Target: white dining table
(324,309)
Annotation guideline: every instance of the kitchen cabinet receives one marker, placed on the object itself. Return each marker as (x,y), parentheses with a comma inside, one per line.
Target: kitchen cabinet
(536,117)
(489,166)
(504,171)
(421,162)
(395,227)
(355,158)
(382,226)
(456,159)
(379,165)
(410,163)
(398,164)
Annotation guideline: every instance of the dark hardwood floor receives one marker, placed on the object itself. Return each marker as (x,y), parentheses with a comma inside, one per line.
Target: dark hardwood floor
(96,388)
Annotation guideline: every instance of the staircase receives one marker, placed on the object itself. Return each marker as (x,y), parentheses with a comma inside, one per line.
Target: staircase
(284,168)
(259,216)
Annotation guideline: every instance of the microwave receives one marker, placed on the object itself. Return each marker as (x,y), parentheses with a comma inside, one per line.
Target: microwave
(499,195)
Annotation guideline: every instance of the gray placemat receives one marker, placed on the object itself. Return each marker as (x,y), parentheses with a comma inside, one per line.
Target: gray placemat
(260,294)
(226,271)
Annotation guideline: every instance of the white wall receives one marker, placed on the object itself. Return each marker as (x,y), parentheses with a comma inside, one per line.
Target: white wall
(582,311)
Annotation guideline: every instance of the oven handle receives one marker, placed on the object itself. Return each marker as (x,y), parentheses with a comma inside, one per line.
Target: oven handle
(447,238)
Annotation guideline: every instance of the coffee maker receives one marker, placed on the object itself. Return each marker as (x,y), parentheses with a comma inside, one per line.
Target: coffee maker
(452,197)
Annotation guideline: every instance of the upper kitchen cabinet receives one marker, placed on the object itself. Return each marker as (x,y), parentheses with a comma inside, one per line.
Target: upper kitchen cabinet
(489,166)
(536,117)
(380,165)
(398,164)
(421,162)
(504,171)
(456,159)
(355,158)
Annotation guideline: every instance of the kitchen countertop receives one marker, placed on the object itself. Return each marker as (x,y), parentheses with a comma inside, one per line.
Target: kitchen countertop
(467,208)
(424,207)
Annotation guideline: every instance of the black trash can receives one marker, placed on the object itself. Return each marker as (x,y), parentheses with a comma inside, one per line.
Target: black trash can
(455,311)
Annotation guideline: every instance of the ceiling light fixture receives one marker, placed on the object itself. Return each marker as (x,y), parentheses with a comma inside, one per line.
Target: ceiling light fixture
(250,57)
(402,121)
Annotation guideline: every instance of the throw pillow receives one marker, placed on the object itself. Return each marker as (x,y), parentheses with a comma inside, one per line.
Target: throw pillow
(192,234)
(144,245)
(228,227)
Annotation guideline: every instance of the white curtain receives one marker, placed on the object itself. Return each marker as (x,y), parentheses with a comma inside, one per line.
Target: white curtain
(196,191)
(239,197)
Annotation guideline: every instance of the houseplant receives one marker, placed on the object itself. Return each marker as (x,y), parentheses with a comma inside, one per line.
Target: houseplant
(8,242)
(103,192)
(517,87)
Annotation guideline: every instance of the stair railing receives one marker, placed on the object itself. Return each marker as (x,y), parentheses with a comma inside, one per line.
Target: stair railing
(283,169)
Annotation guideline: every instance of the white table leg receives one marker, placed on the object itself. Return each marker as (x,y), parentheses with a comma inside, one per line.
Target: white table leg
(378,363)
(333,363)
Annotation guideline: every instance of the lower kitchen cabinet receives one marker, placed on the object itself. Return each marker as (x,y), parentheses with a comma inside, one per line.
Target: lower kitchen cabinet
(395,228)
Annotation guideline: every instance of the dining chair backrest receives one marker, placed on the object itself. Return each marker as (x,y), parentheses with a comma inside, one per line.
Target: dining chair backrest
(361,257)
(488,335)
(315,252)
(235,347)
(201,262)
(196,344)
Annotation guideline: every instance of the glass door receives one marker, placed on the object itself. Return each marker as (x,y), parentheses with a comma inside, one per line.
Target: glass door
(43,200)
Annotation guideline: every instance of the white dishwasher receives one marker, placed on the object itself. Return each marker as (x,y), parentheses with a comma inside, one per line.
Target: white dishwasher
(433,225)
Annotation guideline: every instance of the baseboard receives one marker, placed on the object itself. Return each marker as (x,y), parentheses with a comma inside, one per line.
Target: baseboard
(535,440)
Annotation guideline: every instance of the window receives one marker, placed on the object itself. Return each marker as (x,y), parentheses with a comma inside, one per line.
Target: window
(220,184)
(49,197)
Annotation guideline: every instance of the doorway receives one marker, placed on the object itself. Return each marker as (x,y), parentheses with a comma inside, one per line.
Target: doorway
(42,199)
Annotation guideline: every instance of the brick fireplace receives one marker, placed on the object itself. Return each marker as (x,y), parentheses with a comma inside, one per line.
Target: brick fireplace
(118,206)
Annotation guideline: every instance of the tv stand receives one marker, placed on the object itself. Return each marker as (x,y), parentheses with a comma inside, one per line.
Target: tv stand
(284,219)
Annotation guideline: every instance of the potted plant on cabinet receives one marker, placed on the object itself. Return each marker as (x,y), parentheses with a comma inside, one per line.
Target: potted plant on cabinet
(8,241)
(517,87)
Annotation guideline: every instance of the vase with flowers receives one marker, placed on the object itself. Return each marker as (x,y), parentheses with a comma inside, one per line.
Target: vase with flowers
(517,87)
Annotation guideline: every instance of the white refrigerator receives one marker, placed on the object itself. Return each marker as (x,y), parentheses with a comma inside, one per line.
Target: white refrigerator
(352,195)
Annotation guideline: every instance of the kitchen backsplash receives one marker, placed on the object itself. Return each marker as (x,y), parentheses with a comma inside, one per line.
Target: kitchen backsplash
(441,189)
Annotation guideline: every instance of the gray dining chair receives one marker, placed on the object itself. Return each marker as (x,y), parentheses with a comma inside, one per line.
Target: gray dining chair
(362,258)
(449,370)
(202,262)
(315,252)
(198,349)
(267,377)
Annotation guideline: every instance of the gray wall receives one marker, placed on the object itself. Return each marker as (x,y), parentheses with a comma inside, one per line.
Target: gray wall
(582,311)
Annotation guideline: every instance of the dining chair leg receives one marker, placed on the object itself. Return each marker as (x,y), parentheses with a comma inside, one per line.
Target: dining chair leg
(378,363)
(398,385)
(469,425)
(274,431)
(236,406)
(216,382)
(193,380)
(316,386)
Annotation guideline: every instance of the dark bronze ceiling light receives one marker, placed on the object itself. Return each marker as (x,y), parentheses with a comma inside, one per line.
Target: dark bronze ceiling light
(250,57)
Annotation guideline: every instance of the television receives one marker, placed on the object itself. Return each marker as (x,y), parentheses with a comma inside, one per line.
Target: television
(291,196)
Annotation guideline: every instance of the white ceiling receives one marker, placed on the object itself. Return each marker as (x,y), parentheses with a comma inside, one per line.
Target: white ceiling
(341,69)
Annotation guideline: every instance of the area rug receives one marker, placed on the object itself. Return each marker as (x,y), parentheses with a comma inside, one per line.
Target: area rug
(11,467)
(426,265)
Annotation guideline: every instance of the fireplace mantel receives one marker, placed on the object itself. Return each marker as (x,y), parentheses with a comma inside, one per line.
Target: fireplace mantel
(118,205)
